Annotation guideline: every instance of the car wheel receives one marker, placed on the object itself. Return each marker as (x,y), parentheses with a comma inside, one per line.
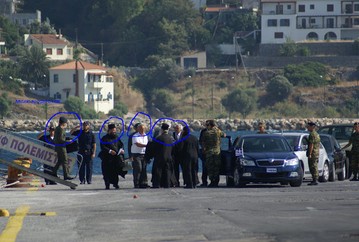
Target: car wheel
(332,174)
(297,183)
(325,176)
(342,175)
(237,180)
(229,181)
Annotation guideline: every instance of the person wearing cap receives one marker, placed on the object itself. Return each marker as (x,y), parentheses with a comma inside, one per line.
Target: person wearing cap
(162,169)
(87,149)
(313,152)
(212,150)
(138,150)
(112,156)
(202,156)
(354,141)
(49,140)
(60,148)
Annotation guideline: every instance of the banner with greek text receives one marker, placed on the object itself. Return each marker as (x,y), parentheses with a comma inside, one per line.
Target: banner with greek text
(25,148)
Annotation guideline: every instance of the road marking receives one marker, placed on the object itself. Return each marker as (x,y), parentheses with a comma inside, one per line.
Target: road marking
(14,224)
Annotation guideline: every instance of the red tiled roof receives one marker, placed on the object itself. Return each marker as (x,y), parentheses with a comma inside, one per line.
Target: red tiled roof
(218,9)
(81,65)
(49,39)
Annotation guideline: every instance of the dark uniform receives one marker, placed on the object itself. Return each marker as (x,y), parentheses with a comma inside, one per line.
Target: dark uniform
(162,170)
(177,162)
(60,138)
(189,156)
(203,159)
(111,164)
(314,139)
(354,140)
(86,143)
(47,168)
(212,149)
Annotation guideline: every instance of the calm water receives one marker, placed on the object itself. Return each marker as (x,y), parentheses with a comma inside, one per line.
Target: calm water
(97,162)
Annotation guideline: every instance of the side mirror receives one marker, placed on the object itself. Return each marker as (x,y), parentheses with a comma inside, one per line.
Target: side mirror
(297,148)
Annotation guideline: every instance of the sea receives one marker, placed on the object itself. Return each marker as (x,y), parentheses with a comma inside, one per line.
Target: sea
(5,155)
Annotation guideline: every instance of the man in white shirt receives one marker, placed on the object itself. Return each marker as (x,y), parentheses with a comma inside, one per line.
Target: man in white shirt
(138,149)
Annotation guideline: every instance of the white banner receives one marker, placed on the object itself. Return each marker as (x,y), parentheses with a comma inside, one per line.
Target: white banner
(31,150)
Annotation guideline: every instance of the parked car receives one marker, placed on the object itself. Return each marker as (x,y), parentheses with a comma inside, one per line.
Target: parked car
(341,133)
(336,155)
(265,159)
(299,142)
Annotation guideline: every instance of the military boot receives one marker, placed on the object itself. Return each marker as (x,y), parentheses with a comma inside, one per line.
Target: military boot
(313,183)
(355,178)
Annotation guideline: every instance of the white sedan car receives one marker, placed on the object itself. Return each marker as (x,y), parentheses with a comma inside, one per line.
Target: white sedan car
(299,142)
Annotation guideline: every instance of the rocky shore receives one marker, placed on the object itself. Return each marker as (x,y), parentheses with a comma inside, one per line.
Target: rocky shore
(196,125)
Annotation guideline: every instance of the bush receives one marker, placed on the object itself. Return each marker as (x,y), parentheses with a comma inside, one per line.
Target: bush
(279,88)
(306,74)
(119,110)
(289,48)
(242,101)
(303,51)
(5,105)
(163,100)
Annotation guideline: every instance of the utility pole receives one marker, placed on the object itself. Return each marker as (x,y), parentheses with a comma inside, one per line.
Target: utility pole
(101,53)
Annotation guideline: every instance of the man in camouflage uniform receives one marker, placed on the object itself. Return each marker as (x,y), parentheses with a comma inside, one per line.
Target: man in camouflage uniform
(212,151)
(313,152)
(354,141)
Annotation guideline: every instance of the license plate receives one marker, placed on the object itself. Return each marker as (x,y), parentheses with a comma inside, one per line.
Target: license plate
(271,170)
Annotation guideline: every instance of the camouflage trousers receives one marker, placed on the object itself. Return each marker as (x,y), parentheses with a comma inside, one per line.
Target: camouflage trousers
(213,164)
(313,167)
(354,163)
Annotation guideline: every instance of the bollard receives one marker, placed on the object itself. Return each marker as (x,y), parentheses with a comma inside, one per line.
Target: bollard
(13,173)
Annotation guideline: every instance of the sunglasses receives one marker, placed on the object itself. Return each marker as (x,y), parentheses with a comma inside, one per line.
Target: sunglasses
(356,123)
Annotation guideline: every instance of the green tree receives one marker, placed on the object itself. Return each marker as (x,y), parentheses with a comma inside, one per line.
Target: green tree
(289,48)
(119,110)
(74,104)
(239,100)
(163,100)
(34,66)
(279,88)
(5,105)
(306,74)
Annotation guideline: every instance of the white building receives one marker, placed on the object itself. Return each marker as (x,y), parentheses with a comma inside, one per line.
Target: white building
(8,9)
(95,86)
(301,20)
(55,46)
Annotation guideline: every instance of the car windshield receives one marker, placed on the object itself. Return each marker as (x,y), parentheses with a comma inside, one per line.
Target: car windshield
(339,132)
(264,144)
(292,140)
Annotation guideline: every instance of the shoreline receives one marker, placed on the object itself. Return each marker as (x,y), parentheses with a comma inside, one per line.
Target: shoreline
(195,125)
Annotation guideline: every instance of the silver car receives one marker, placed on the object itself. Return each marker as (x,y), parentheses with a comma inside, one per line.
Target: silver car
(299,142)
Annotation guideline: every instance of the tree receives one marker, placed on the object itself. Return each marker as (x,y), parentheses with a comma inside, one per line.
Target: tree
(74,104)
(163,100)
(306,74)
(239,100)
(34,66)
(119,110)
(279,88)
(5,105)
(289,48)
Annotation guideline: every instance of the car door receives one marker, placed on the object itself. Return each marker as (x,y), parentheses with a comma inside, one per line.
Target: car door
(303,144)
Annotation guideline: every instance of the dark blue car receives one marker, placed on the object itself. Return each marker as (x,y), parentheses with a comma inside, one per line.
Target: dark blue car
(265,158)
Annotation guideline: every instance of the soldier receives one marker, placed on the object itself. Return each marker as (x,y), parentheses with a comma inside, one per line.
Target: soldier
(261,128)
(212,151)
(313,152)
(60,141)
(203,157)
(354,141)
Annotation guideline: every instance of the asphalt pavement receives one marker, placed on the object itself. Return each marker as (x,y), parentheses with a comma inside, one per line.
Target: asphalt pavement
(327,212)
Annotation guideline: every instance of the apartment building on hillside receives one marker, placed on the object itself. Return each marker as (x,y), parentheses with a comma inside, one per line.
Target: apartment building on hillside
(309,20)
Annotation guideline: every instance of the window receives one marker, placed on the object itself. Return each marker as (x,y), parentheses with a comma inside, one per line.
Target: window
(348,8)
(48,51)
(69,51)
(311,6)
(272,22)
(330,22)
(88,78)
(356,21)
(278,35)
(74,78)
(330,7)
(289,7)
(59,52)
(312,20)
(24,22)
(279,9)
(57,95)
(301,8)
(284,22)
(356,7)
(56,78)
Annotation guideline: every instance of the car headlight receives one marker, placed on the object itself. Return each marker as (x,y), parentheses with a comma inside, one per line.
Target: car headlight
(292,162)
(245,162)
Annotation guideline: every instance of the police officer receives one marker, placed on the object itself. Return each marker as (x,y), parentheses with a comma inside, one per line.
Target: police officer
(354,141)
(212,150)
(313,152)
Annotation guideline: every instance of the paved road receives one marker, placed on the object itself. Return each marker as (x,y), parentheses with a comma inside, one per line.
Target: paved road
(328,212)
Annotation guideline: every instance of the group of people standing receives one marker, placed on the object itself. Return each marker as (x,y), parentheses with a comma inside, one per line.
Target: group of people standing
(170,152)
